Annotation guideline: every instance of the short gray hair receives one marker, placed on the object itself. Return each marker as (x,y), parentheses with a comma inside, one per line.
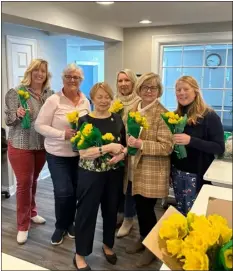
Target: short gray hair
(73,67)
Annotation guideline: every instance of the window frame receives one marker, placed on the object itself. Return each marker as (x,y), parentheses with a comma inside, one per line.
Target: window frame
(158,43)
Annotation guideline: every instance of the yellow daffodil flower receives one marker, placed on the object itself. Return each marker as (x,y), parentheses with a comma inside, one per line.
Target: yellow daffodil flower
(195,260)
(108,136)
(72,117)
(174,247)
(116,106)
(228,257)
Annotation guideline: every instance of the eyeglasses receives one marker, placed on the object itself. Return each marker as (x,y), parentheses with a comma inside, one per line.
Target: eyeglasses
(76,78)
(145,88)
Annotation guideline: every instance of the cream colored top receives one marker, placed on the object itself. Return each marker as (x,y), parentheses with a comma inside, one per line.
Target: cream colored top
(52,122)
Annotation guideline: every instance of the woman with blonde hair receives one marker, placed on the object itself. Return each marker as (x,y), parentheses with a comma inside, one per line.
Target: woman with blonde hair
(203,137)
(126,81)
(52,123)
(25,146)
(99,182)
(150,167)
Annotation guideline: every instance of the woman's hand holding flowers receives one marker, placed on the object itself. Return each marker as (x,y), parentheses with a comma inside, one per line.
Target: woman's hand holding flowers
(181,139)
(134,142)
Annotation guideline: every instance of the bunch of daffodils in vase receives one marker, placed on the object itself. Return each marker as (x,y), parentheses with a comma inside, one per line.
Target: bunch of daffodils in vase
(23,97)
(198,242)
(73,118)
(176,125)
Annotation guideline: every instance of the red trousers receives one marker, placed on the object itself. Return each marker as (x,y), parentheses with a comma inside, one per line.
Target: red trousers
(27,165)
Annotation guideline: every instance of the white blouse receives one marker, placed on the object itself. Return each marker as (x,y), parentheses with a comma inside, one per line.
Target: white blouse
(52,122)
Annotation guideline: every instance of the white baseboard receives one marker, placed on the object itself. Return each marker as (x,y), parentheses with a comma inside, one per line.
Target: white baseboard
(11,189)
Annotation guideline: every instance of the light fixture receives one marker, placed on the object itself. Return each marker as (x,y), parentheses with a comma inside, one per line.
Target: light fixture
(105,3)
(145,22)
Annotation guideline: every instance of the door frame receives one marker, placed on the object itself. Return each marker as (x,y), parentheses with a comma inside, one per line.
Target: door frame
(89,63)
(9,41)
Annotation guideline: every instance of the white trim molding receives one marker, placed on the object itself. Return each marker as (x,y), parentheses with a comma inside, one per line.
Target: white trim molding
(194,38)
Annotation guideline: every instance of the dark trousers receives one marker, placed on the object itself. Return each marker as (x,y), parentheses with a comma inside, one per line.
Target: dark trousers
(97,188)
(185,186)
(127,203)
(64,174)
(146,214)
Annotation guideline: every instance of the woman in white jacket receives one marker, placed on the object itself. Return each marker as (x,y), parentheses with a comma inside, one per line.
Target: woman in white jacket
(62,161)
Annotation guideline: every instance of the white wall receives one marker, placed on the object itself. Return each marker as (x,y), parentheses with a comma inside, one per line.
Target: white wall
(52,49)
(137,46)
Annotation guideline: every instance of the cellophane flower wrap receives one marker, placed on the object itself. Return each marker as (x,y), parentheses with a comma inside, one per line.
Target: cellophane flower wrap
(23,97)
(116,107)
(176,125)
(73,118)
(135,122)
(198,242)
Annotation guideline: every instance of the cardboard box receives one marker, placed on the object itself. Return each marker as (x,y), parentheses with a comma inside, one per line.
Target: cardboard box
(158,246)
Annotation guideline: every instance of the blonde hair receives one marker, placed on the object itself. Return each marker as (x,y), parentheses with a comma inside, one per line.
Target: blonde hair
(35,64)
(73,67)
(149,76)
(130,74)
(198,108)
(103,86)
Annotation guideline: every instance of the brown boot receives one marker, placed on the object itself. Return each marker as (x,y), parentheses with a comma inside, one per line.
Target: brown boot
(145,258)
(135,247)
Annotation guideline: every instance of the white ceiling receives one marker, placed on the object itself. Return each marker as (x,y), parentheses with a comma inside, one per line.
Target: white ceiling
(128,14)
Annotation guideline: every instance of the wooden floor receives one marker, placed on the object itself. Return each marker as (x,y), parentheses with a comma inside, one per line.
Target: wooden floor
(38,249)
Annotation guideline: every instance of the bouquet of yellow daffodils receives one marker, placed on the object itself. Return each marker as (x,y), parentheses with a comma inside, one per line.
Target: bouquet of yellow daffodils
(72,118)
(23,97)
(90,136)
(198,242)
(135,123)
(176,125)
(116,107)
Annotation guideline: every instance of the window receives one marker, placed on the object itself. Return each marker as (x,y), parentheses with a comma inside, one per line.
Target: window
(210,64)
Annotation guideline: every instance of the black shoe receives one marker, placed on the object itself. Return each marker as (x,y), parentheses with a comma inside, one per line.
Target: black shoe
(71,231)
(57,237)
(112,259)
(87,268)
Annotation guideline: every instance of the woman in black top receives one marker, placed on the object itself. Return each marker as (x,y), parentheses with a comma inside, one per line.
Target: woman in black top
(98,183)
(203,137)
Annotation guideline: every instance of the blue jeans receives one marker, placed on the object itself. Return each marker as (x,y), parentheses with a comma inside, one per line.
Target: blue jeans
(185,189)
(127,204)
(64,174)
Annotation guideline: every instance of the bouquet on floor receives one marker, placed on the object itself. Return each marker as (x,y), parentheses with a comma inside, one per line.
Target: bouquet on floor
(23,97)
(198,242)
(135,123)
(117,107)
(72,118)
(176,125)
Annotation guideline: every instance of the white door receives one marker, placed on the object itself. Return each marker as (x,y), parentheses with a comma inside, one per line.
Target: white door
(20,52)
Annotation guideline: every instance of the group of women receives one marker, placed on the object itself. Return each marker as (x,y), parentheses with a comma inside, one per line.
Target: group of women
(80,183)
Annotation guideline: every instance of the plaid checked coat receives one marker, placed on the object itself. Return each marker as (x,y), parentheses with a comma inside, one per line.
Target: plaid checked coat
(151,168)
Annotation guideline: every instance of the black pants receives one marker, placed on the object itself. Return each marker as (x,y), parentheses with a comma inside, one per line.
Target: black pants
(64,174)
(97,188)
(146,214)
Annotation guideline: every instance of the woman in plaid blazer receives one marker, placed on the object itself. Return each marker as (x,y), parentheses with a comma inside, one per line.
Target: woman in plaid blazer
(151,164)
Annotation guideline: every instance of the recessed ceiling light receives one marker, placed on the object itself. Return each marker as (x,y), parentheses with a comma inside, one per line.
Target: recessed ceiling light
(145,22)
(105,3)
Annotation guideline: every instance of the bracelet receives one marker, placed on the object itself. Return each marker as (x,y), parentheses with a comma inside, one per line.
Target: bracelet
(101,151)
